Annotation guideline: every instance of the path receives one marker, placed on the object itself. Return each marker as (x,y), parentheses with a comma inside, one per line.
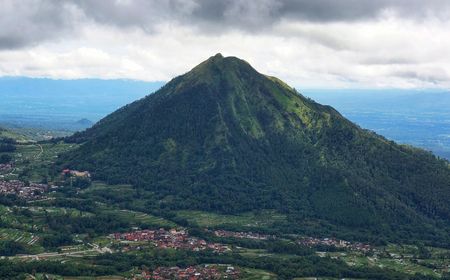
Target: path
(40,152)
(95,249)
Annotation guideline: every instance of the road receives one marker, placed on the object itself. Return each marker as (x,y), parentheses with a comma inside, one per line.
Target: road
(53,254)
(40,152)
(95,249)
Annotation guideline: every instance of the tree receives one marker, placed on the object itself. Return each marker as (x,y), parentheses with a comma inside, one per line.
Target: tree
(5,158)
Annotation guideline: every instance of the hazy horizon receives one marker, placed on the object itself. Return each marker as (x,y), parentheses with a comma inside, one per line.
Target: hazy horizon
(406,116)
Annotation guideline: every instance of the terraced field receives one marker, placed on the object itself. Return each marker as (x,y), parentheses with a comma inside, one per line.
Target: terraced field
(18,236)
(57,211)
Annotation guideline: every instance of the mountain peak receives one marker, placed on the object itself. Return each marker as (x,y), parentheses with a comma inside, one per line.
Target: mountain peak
(222,61)
(219,69)
(214,60)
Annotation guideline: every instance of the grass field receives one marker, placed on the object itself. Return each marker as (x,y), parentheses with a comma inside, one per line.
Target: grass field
(98,186)
(256,274)
(105,192)
(254,253)
(139,218)
(246,220)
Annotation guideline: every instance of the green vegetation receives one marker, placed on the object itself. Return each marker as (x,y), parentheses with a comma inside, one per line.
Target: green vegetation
(9,134)
(224,147)
(5,158)
(34,161)
(31,134)
(261,221)
(225,139)
(140,219)
(256,274)
(8,143)
(11,248)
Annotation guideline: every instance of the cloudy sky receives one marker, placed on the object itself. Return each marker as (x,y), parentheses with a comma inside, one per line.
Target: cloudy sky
(308,43)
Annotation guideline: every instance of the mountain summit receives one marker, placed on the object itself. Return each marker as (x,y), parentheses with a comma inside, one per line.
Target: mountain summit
(226,138)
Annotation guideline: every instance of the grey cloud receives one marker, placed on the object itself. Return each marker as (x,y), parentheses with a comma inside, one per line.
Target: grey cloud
(322,37)
(351,10)
(30,22)
(253,15)
(206,15)
(136,13)
(381,60)
(434,76)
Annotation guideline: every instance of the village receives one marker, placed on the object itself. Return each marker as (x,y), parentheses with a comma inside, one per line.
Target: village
(179,239)
(240,234)
(21,189)
(76,173)
(192,273)
(333,242)
(32,191)
(175,239)
(5,167)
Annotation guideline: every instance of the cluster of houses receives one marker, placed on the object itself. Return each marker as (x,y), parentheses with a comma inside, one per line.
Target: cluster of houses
(354,246)
(6,167)
(240,234)
(22,190)
(175,239)
(76,173)
(206,272)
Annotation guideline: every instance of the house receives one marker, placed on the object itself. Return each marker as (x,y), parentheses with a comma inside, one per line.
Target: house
(76,173)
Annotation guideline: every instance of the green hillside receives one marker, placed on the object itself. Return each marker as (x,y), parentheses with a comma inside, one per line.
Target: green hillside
(9,134)
(227,139)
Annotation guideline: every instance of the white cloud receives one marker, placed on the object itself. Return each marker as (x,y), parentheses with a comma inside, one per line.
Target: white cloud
(382,51)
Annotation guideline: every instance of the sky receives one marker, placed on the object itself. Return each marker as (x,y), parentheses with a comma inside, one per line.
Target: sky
(308,43)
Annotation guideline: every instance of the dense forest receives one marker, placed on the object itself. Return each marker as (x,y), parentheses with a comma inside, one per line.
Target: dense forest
(7,145)
(228,139)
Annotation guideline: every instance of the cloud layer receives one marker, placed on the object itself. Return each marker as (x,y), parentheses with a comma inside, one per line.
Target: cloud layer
(321,43)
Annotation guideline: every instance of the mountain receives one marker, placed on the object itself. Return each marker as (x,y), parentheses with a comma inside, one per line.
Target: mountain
(228,139)
(84,123)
